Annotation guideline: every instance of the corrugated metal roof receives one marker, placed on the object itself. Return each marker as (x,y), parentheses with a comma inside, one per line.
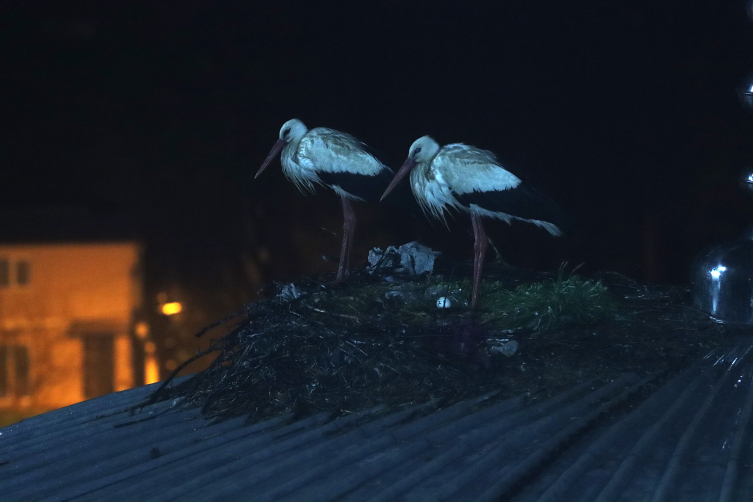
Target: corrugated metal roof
(679,438)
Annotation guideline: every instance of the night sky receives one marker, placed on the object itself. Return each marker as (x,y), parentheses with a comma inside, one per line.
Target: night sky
(623,112)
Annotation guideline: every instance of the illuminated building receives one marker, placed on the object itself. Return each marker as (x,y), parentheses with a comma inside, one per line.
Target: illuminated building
(68,321)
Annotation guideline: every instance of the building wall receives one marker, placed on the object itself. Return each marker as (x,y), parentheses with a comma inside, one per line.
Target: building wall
(73,291)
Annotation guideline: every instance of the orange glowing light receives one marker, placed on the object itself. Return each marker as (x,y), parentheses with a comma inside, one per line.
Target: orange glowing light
(151,369)
(171,308)
(142,330)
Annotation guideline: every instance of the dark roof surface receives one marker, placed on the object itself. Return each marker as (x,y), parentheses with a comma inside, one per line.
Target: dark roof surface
(684,437)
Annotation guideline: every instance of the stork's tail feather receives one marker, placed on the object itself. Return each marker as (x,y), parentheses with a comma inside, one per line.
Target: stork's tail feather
(549,227)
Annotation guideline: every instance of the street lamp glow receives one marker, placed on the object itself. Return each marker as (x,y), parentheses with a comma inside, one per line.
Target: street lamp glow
(172,308)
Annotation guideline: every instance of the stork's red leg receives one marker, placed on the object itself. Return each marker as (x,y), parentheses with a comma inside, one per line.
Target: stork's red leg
(349,225)
(351,219)
(479,252)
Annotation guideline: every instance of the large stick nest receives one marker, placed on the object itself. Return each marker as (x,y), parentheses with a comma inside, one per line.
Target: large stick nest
(380,339)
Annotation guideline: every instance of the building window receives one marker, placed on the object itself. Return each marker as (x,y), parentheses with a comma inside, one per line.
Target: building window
(23,272)
(99,358)
(4,272)
(14,371)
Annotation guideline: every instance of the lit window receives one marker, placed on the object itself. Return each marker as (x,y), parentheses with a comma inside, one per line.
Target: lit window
(14,371)
(4,371)
(23,273)
(4,272)
(21,367)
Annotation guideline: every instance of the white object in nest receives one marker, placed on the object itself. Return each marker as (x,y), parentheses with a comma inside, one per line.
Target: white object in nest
(508,349)
(414,258)
(289,292)
(443,303)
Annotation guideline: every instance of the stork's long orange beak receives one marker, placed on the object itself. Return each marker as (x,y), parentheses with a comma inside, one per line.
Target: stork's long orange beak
(275,151)
(401,173)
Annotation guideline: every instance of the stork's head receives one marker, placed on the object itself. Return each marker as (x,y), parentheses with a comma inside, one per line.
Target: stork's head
(291,132)
(424,149)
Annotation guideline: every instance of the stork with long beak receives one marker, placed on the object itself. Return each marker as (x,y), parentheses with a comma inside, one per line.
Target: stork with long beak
(334,159)
(472,180)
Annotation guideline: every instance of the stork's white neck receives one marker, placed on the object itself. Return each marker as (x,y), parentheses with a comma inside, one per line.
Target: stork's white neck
(298,171)
(431,190)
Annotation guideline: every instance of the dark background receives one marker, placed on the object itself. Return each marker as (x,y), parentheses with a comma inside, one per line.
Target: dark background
(623,112)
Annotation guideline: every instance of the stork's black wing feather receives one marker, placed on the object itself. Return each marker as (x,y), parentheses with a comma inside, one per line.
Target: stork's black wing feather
(522,201)
(368,188)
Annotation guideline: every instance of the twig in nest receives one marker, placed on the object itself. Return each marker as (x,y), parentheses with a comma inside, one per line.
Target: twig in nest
(335,314)
(246,309)
(156,394)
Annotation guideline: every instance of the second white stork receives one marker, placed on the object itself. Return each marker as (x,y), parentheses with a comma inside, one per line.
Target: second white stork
(471,179)
(331,158)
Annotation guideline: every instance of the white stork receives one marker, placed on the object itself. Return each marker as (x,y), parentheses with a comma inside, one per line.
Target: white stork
(472,180)
(335,159)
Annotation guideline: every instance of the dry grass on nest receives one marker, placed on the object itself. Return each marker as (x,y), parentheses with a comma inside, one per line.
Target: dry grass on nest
(548,304)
